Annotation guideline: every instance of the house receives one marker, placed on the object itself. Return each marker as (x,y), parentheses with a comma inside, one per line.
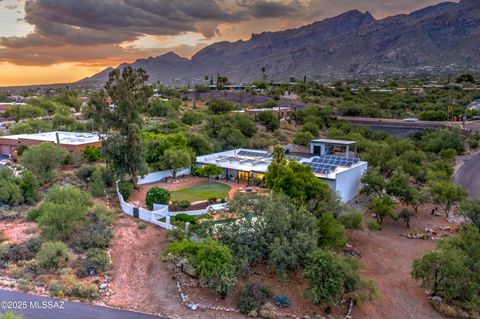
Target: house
(330,160)
(73,142)
(283,112)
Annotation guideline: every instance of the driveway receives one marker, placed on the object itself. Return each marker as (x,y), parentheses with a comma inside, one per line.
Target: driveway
(468,175)
(33,307)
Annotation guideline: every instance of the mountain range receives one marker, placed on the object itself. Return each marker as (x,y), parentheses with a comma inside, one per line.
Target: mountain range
(444,38)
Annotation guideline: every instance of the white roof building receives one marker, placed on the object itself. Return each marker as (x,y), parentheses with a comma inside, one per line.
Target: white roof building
(341,173)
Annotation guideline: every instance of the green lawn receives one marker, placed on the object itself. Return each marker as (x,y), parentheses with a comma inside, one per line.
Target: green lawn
(201,192)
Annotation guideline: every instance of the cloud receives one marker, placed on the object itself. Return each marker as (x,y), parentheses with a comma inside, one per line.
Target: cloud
(91,31)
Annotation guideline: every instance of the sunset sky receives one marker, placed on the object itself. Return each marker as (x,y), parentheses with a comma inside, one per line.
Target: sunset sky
(58,41)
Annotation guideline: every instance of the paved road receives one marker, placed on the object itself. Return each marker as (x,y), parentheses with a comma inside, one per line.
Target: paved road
(70,310)
(469,176)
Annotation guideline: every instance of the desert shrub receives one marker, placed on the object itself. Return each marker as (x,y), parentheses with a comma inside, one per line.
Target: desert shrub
(212,261)
(303,138)
(142,226)
(97,186)
(85,172)
(157,195)
(252,297)
(108,176)
(34,214)
(27,269)
(99,232)
(99,259)
(330,276)
(192,118)
(331,232)
(282,300)
(373,225)
(24,285)
(68,286)
(91,154)
(351,220)
(18,252)
(126,189)
(29,186)
(4,248)
(34,244)
(52,255)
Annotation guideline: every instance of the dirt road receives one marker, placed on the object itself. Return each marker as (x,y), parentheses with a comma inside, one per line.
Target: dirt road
(387,259)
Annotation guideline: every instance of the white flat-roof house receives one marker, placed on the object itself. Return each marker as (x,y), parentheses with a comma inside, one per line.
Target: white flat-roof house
(342,173)
(71,141)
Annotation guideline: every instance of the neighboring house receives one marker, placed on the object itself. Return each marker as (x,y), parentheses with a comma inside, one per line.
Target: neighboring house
(283,112)
(330,161)
(73,142)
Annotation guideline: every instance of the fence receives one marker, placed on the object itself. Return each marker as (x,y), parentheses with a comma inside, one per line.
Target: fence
(159,212)
(160,176)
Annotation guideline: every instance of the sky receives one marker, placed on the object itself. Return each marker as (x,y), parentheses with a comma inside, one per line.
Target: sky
(61,41)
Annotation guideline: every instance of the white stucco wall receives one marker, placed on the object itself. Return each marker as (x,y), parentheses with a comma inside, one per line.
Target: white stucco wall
(348,183)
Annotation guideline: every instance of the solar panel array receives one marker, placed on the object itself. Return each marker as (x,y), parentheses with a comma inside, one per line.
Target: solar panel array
(335,160)
(321,168)
(253,154)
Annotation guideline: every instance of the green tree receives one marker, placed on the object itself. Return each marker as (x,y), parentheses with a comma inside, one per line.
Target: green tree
(42,159)
(330,276)
(299,183)
(124,154)
(447,195)
(129,92)
(471,209)
(210,170)
(331,232)
(383,206)
(303,138)
(373,183)
(279,234)
(220,106)
(176,159)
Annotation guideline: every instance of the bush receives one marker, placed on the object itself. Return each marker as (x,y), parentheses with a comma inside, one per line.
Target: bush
(85,172)
(303,138)
(24,285)
(181,205)
(99,231)
(91,154)
(52,255)
(220,106)
(330,276)
(186,218)
(126,189)
(282,300)
(252,297)
(157,195)
(34,214)
(18,252)
(351,220)
(331,232)
(68,286)
(212,261)
(97,187)
(373,225)
(98,259)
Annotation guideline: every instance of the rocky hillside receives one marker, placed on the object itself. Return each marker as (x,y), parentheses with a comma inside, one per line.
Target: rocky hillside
(437,39)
